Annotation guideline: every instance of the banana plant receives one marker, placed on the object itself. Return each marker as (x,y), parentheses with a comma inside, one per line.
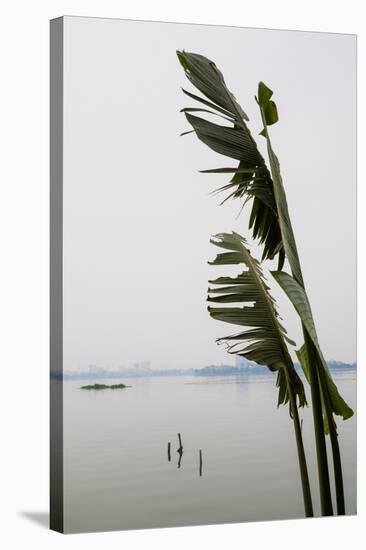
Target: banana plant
(264,339)
(325,396)
(270,223)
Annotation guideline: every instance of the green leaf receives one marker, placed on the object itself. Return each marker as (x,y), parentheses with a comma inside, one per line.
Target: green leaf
(206,77)
(268,107)
(287,234)
(264,94)
(264,339)
(299,300)
(199,110)
(208,103)
(271,113)
(303,360)
(228,141)
(227,171)
(235,142)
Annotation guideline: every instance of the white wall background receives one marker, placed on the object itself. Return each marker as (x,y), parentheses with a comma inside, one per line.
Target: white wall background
(24,274)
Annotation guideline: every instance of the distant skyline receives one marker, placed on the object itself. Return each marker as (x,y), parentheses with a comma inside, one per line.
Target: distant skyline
(145,366)
(138,215)
(239,369)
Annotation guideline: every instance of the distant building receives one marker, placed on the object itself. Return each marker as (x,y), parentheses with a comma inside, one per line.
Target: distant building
(242,362)
(140,369)
(216,370)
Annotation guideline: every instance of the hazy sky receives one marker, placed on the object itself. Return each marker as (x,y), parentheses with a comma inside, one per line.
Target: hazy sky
(137,215)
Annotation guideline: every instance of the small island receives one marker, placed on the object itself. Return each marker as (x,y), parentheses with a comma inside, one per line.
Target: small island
(104,387)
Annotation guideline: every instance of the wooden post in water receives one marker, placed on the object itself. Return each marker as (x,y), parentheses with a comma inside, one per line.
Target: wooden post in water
(200,463)
(180,450)
(169,455)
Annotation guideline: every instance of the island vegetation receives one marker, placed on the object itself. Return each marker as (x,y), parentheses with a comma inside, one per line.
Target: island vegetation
(104,387)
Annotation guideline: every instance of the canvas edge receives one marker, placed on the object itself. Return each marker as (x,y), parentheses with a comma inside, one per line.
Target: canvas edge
(56,277)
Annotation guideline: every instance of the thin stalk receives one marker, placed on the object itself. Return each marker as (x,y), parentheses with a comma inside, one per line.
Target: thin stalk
(289,242)
(308,505)
(337,464)
(321,449)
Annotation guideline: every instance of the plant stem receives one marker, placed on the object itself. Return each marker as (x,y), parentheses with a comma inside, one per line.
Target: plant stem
(308,505)
(321,449)
(337,464)
(294,261)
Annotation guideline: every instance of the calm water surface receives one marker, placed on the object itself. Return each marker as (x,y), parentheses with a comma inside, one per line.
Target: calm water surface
(116,470)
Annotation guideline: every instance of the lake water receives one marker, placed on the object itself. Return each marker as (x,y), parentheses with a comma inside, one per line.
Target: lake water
(116,469)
